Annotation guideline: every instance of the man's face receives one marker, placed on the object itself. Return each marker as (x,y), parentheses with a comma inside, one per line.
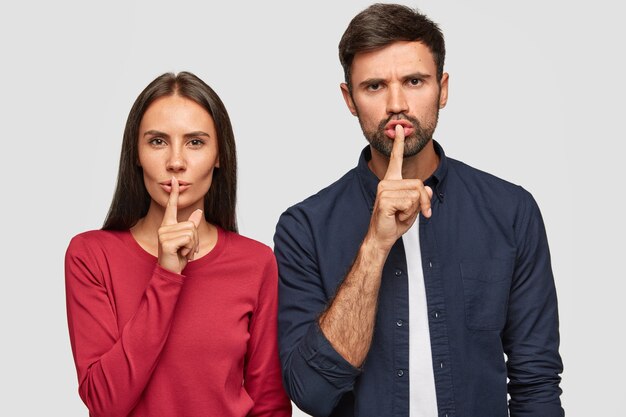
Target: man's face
(394,85)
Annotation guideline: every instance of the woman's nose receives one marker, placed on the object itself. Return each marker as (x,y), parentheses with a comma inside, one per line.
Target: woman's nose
(176,161)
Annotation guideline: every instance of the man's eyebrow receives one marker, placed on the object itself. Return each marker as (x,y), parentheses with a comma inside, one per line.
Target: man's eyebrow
(370,81)
(417,74)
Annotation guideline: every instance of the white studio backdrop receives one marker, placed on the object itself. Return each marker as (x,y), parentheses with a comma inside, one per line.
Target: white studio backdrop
(536,97)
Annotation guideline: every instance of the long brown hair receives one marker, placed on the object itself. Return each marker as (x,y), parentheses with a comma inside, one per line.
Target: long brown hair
(131,199)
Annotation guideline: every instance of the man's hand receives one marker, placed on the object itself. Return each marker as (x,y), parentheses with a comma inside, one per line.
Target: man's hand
(178,242)
(348,322)
(398,201)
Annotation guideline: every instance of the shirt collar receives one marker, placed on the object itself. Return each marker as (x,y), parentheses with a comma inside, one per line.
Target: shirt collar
(369,181)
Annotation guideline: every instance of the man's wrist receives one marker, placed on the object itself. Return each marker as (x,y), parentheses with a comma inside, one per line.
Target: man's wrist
(373,252)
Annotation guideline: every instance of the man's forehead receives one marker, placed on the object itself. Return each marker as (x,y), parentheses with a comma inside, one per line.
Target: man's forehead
(401,56)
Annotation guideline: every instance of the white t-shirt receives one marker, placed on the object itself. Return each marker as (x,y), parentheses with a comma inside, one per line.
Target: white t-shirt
(422,395)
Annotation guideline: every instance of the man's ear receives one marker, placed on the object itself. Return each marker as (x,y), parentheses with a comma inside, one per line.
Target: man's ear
(347,97)
(443,90)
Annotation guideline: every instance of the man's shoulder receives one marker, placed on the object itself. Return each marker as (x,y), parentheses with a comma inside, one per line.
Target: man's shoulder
(328,197)
(483,182)
(341,207)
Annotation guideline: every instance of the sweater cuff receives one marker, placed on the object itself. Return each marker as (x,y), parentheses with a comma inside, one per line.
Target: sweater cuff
(321,356)
(169,275)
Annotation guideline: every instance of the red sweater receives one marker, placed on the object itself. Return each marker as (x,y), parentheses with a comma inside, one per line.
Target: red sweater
(149,342)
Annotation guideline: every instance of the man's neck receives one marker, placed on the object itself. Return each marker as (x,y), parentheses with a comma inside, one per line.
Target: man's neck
(420,166)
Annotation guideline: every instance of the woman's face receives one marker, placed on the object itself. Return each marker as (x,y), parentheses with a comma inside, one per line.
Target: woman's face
(177,138)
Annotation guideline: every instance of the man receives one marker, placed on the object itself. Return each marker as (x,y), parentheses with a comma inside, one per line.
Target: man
(404,284)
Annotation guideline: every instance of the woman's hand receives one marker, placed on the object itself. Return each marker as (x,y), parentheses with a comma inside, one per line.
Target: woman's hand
(178,242)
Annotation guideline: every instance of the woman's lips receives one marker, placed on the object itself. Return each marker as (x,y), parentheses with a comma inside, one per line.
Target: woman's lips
(167,186)
(390,128)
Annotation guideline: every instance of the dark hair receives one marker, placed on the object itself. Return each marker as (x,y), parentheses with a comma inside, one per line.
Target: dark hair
(131,199)
(382,24)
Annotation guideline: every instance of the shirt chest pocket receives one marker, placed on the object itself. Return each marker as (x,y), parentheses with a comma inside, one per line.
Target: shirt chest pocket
(486,286)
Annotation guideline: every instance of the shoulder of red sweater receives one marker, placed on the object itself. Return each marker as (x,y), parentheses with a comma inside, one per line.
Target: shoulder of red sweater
(95,238)
(248,244)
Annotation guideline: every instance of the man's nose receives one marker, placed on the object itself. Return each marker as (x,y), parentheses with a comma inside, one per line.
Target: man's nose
(396,100)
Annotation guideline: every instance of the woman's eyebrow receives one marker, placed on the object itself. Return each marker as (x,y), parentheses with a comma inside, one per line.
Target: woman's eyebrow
(155,133)
(197,133)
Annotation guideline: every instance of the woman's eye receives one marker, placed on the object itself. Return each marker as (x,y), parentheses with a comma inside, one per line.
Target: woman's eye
(157,142)
(196,143)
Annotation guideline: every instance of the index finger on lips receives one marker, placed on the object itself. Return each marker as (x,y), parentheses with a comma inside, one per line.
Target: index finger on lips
(394,170)
(171,210)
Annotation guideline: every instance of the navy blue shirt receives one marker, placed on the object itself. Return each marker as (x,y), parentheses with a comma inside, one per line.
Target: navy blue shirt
(489,289)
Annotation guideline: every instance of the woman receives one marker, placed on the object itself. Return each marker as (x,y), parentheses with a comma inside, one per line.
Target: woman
(170,311)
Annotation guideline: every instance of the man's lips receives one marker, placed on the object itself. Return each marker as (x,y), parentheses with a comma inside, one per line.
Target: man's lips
(182,185)
(390,128)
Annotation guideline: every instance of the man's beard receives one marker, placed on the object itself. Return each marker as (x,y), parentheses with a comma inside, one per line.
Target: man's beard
(413,143)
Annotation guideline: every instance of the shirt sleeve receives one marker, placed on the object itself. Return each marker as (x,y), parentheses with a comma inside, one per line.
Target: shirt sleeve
(262,378)
(316,376)
(531,334)
(114,365)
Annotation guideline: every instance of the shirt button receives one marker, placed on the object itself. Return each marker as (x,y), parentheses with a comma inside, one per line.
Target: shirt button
(441,365)
(398,272)
(435,314)
(400,372)
(399,323)
(430,264)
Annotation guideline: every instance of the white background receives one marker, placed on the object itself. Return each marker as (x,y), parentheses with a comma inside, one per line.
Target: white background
(536,97)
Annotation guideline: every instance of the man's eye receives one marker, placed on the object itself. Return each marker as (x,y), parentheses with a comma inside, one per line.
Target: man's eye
(415,81)
(374,87)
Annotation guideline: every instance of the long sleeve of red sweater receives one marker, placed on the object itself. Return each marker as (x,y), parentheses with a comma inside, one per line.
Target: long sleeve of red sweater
(114,366)
(261,356)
